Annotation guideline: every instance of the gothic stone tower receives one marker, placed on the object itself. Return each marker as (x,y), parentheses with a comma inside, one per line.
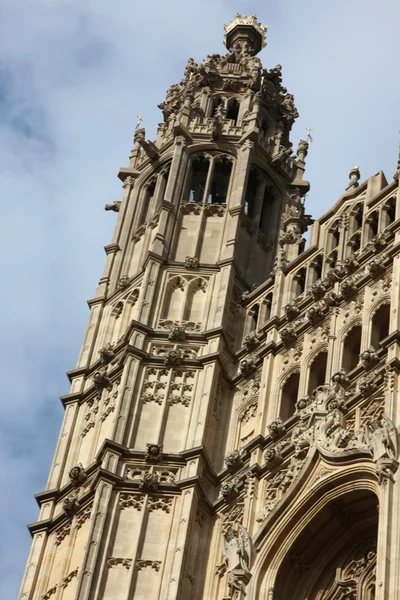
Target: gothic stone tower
(230,430)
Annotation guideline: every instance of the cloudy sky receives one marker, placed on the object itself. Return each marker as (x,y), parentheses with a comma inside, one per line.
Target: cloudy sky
(73,77)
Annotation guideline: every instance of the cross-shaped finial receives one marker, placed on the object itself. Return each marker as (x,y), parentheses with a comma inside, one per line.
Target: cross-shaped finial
(139,120)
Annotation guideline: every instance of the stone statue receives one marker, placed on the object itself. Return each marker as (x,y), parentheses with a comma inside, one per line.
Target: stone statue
(77,475)
(237,549)
(381,436)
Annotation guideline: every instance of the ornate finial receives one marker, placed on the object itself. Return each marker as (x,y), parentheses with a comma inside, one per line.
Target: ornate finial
(241,21)
(139,120)
(309,136)
(354,176)
(396,176)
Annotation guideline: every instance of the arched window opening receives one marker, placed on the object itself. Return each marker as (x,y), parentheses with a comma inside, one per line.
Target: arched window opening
(317,374)
(334,555)
(233,110)
(316,269)
(269,213)
(388,213)
(253,314)
(289,396)
(147,200)
(372,222)
(198,179)
(335,238)
(251,191)
(218,105)
(299,282)
(332,259)
(351,349)
(358,213)
(267,305)
(380,325)
(164,181)
(220,181)
(354,244)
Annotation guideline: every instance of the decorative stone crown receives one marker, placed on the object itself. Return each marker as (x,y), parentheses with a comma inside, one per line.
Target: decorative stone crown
(250,22)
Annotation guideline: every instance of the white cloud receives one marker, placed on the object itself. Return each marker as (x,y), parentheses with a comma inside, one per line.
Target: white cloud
(73,77)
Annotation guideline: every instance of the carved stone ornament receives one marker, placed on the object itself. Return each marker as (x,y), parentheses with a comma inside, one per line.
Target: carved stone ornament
(229,489)
(288,335)
(378,242)
(369,383)
(238,552)
(382,440)
(316,313)
(107,353)
(248,365)
(115,206)
(148,481)
(292,311)
(191,262)
(251,341)
(348,287)
(70,505)
(153,452)
(173,358)
(369,357)
(376,265)
(273,457)
(144,564)
(77,475)
(113,561)
(233,459)
(333,299)
(276,428)
(101,380)
(351,263)
(336,274)
(318,289)
(123,282)
(177,332)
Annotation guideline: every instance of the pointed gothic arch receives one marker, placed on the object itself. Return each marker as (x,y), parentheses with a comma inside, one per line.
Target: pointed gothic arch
(318,531)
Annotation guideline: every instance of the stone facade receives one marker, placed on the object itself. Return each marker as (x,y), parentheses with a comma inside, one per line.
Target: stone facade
(230,431)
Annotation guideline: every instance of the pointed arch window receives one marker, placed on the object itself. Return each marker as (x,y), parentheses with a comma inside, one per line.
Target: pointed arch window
(299,282)
(372,222)
(380,325)
(289,395)
(351,348)
(220,180)
(198,179)
(317,373)
(232,112)
(388,212)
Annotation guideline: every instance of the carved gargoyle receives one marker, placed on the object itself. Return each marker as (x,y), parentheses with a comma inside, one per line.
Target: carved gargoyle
(101,380)
(288,335)
(248,365)
(77,475)
(369,357)
(70,504)
(316,313)
(276,428)
(348,287)
(291,310)
(148,481)
(115,206)
(251,341)
(107,353)
(233,459)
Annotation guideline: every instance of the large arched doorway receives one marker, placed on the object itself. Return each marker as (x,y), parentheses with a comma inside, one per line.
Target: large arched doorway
(335,555)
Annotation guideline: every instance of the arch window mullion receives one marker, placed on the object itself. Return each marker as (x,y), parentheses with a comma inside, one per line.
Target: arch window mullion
(207,190)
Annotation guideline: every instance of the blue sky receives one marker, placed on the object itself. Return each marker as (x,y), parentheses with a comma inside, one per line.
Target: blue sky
(73,78)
